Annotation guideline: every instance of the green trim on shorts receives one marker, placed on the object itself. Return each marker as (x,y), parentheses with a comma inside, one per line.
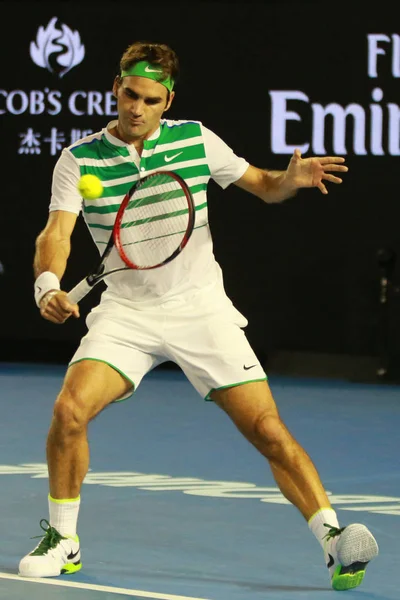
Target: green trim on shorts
(115,369)
(208,399)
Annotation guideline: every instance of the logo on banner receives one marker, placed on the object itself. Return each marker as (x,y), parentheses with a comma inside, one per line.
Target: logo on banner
(57,50)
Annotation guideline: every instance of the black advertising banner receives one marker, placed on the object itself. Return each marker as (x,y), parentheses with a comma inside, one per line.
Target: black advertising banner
(267,78)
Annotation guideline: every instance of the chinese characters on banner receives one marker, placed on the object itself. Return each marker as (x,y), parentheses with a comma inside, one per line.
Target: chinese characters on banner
(33,142)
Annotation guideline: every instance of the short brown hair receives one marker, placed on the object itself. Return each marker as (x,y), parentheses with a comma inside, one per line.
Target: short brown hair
(157,54)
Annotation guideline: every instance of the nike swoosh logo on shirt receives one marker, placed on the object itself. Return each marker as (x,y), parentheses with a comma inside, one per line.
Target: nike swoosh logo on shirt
(250,367)
(148,70)
(169,158)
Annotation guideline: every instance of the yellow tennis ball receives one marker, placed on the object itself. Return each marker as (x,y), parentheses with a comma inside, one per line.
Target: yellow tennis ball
(90,187)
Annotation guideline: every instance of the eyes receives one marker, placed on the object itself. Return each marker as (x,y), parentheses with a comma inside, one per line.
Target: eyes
(149,101)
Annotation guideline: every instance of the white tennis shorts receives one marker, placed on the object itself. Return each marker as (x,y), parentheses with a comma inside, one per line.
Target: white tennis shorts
(204,336)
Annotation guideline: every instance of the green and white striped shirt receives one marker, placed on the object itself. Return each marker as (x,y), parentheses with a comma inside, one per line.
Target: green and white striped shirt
(185,147)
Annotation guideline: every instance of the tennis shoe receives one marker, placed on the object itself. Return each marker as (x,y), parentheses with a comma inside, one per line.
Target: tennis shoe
(53,556)
(348,551)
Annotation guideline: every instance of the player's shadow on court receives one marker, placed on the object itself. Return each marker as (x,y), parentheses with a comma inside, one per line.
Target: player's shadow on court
(260,587)
(265,587)
(299,588)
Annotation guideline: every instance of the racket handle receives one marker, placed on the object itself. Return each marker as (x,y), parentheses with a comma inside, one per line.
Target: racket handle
(79,291)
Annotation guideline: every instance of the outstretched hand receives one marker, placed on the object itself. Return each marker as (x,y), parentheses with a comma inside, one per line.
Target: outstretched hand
(312,172)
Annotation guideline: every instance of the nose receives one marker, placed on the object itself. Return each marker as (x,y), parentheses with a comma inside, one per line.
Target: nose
(137,107)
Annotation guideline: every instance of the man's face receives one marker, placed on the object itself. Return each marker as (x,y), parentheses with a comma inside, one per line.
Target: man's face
(141,103)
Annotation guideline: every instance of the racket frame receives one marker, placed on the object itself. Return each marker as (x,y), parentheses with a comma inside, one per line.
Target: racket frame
(99,272)
(118,221)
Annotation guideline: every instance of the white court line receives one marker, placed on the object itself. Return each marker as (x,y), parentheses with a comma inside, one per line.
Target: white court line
(98,588)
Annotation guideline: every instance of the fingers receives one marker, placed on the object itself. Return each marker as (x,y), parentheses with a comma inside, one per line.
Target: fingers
(57,315)
(332,178)
(56,307)
(330,159)
(337,168)
(68,306)
(322,188)
(330,163)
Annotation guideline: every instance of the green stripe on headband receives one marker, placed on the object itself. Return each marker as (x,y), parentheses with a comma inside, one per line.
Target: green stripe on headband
(146,69)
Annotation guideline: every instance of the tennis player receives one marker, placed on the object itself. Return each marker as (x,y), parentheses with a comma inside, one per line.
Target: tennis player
(178,313)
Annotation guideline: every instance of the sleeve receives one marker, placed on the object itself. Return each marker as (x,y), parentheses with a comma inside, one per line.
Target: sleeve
(225,166)
(64,192)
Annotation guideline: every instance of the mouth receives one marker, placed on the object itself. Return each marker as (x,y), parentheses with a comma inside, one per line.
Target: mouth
(135,123)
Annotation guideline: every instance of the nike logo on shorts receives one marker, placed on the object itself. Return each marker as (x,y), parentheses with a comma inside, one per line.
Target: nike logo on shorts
(250,367)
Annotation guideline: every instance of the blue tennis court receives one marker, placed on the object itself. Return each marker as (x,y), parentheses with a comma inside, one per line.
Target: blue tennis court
(178,506)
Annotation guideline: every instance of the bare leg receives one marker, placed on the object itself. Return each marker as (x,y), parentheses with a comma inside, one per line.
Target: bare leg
(88,388)
(253,410)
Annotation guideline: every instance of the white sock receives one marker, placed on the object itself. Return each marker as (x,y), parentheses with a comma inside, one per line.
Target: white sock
(317,521)
(64,515)
(319,529)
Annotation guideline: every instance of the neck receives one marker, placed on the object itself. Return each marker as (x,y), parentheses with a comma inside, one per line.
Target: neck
(137,141)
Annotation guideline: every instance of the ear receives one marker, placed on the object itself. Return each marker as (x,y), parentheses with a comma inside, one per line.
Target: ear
(171,97)
(116,84)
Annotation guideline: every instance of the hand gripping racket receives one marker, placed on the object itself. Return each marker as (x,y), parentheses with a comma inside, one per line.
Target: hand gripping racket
(153,225)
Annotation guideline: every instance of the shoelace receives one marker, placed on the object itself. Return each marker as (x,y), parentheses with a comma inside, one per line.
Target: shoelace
(49,541)
(333,531)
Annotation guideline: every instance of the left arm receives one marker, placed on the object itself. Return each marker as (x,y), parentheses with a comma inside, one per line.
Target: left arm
(276,186)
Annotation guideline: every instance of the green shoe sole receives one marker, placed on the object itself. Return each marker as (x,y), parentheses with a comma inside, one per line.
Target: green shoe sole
(71,568)
(347,578)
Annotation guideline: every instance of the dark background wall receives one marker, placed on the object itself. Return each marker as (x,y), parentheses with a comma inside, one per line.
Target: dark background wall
(305,273)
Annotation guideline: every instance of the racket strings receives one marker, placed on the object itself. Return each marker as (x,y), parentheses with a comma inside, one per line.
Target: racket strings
(154,222)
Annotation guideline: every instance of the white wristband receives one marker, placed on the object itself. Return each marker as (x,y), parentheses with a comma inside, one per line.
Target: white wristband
(44,283)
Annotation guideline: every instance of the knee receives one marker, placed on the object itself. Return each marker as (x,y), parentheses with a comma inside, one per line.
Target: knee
(269,435)
(68,415)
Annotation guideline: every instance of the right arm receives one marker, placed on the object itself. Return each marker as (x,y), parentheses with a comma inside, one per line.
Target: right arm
(53,244)
(53,247)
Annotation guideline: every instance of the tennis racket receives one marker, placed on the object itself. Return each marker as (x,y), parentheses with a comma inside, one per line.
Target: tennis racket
(153,225)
